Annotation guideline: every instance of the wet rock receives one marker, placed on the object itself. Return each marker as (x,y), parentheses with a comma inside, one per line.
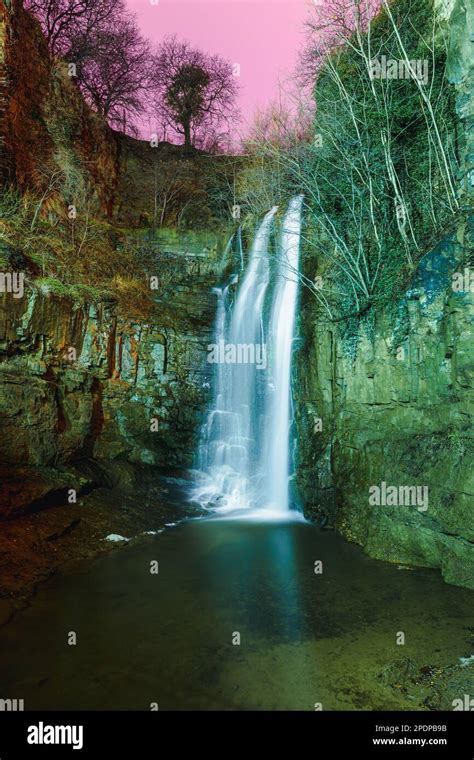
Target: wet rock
(124,375)
(399,421)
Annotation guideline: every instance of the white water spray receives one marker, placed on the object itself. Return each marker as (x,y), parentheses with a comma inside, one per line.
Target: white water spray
(282,322)
(244,461)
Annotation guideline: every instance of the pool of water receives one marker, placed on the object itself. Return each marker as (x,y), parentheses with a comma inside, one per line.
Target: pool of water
(172,638)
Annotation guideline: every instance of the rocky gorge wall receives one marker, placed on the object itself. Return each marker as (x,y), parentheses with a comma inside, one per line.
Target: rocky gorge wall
(394,404)
(80,381)
(87,390)
(399,411)
(94,382)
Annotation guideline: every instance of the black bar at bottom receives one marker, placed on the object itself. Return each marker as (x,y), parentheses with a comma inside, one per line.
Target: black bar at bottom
(137,734)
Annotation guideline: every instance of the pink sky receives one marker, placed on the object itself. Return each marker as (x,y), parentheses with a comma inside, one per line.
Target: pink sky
(263,36)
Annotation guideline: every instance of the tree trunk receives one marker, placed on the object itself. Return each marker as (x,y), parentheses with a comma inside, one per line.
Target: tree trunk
(187,136)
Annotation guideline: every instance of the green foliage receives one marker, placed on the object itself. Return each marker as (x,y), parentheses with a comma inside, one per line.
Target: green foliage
(381,178)
(378,174)
(77,293)
(184,95)
(82,258)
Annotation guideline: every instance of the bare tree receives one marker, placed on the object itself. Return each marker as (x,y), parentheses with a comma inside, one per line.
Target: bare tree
(329,25)
(285,124)
(63,21)
(194,92)
(102,40)
(378,174)
(113,71)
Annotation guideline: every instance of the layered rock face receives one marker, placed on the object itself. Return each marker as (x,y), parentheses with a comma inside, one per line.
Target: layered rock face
(393,408)
(397,412)
(80,381)
(92,381)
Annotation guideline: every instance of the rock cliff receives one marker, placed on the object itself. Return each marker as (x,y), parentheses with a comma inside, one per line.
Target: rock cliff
(393,402)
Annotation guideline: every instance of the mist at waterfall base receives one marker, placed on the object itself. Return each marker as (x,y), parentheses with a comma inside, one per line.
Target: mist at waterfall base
(244,464)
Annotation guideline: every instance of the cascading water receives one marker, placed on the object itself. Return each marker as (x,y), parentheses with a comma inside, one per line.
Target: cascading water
(244,449)
(240,247)
(229,444)
(282,319)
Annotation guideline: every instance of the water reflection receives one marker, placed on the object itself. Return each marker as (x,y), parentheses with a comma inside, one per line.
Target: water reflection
(168,638)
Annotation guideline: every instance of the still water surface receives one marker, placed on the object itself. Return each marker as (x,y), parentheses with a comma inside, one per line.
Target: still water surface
(305,638)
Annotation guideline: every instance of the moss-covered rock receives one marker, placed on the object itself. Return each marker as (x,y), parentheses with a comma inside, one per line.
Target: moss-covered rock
(399,413)
(82,380)
(393,387)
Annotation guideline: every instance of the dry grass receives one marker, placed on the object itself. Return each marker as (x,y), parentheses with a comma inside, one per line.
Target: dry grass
(84,257)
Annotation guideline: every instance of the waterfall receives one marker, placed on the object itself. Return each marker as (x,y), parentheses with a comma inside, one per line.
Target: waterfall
(243,456)
(282,321)
(241,249)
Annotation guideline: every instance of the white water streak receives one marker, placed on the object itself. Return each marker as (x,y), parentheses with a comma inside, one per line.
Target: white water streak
(244,461)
